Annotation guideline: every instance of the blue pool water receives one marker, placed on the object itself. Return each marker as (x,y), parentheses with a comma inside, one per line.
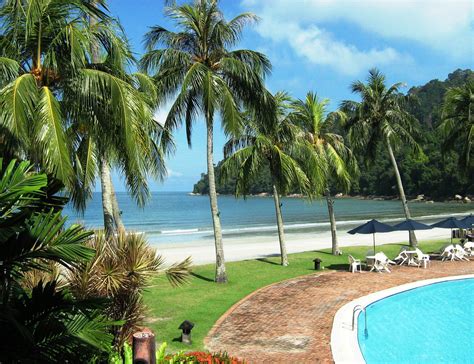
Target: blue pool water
(430,324)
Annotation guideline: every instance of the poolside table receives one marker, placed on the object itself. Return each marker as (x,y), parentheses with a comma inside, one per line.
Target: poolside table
(411,257)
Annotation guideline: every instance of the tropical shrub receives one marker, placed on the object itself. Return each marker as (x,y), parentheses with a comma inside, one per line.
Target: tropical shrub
(119,272)
(40,319)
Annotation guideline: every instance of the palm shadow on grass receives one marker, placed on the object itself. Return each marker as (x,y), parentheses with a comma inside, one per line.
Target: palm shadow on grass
(268,261)
(199,276)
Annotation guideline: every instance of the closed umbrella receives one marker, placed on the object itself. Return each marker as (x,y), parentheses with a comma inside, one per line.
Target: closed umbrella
(371,227)
(451,223)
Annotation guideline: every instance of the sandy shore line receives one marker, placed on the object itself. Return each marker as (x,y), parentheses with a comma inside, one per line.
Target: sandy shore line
(243,248)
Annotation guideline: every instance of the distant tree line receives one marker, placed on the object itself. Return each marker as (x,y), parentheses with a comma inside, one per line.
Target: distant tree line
(435,174)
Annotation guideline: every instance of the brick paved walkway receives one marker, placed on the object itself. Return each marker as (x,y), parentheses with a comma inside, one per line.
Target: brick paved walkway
(291,321)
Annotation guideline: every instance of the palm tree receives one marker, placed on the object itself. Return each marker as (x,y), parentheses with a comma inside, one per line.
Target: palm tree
(379,118)
(194,65)
(334,157)
(273,144)
(81,112)
(458,122)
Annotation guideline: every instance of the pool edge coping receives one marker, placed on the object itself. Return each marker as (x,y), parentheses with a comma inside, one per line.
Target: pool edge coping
(344,342)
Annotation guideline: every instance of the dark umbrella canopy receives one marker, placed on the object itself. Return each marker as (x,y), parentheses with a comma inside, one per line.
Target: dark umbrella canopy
(371,227)
(469,220)
(451,223)
(411,225)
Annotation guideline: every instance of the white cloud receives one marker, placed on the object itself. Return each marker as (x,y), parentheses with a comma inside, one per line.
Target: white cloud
(320,47)
(442,25)
(172,173)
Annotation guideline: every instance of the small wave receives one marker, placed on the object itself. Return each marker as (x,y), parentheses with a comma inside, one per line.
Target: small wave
(267,228)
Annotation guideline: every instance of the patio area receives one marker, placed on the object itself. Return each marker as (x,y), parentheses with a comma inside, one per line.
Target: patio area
(291,321)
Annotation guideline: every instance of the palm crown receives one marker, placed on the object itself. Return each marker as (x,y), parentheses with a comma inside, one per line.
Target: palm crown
(196,62)
(379,116)
(334,157)
(458,123)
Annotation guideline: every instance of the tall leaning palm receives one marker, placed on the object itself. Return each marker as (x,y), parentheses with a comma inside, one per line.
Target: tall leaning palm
(335,158)
(379,118)
(196,66)
(273,144)
(458,122)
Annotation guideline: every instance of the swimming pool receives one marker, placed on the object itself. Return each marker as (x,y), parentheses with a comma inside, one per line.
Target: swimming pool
(431,324)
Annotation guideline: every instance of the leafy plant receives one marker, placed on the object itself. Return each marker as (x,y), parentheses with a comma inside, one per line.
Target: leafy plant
(40,320)
(119,272)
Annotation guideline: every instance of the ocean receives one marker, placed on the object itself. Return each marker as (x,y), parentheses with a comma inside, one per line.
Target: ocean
(177,217)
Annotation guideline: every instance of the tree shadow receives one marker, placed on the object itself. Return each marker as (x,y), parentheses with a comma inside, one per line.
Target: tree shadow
(339,267)
(177,339)
(268,261)
(198,276)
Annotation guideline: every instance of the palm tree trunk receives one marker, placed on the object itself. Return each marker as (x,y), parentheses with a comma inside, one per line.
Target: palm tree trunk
(221,276)
(281,232)
(116,209)
(107,205)
(401,192)
(332,220)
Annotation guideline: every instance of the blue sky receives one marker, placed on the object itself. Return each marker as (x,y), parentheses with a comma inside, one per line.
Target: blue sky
(322,45)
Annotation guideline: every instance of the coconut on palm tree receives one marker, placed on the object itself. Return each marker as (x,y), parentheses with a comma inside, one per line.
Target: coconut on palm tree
(272,144)
(81,112)
(380,118)
(334,157)
(198,66)
(458,123)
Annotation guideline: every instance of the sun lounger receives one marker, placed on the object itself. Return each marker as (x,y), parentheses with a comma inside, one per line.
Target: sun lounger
(354,264)
(381,263)
(448,253)
(460,253)
(469,248)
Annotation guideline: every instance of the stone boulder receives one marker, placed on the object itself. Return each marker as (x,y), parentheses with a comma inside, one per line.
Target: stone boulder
(458,197)
(466,199)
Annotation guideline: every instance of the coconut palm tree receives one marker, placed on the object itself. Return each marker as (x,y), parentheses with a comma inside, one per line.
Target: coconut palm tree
(379,118)
(335,158)
(196,66)
(273,144)
(80,113)
(458,122)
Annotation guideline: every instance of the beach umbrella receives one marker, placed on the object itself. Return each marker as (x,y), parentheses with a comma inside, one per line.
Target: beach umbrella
(371,227)
(410,225)
(469,220)
(451,223)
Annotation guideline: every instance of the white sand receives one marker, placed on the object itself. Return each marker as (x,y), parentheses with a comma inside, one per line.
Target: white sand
(243,248)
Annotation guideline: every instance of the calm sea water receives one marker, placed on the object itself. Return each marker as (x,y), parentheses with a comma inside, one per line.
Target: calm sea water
(177,217)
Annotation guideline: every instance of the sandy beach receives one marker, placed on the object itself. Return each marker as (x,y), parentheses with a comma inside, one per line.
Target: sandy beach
(242,248)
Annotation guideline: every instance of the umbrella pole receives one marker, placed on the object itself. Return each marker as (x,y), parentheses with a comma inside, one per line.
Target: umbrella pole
(451,236)
(373,239)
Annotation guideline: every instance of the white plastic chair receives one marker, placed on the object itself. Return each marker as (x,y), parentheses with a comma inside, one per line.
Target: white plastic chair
(422,258)
(402,257)
(354,264)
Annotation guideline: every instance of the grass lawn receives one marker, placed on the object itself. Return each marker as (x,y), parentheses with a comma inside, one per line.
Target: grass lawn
(202,301)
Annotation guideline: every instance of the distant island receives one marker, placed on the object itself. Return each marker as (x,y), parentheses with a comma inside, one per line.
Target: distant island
(436,176)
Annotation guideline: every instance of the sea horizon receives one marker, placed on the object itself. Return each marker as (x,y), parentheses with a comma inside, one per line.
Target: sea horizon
(173,217)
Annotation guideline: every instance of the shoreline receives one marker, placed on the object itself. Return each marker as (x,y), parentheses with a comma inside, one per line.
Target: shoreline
(245,248)
(458,199)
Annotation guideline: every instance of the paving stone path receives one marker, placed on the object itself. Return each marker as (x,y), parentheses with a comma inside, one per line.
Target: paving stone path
(291,321)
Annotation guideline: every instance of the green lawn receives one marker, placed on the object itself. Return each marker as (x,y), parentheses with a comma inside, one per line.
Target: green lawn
(202,301)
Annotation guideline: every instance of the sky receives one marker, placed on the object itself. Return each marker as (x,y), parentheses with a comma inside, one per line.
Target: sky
(322,46)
